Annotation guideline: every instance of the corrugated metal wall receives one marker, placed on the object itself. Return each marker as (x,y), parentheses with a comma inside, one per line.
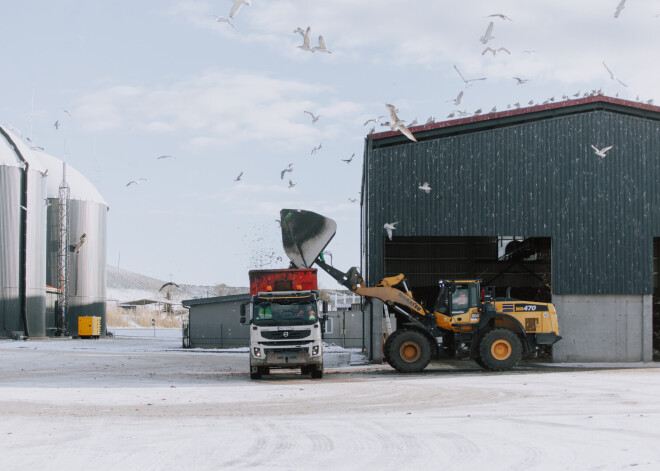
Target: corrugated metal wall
(537,177)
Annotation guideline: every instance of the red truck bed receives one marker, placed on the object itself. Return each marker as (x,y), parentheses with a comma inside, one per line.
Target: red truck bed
(290,279)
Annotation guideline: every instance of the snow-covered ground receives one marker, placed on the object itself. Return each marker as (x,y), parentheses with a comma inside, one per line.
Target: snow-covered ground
(148,404)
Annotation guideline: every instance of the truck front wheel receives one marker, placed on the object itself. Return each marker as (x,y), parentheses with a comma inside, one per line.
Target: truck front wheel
(408,351)
(500,350)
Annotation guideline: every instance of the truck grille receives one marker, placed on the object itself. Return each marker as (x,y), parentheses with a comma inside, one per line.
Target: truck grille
(290,334)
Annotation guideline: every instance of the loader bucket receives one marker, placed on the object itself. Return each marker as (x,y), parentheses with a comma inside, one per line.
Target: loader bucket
(304,235)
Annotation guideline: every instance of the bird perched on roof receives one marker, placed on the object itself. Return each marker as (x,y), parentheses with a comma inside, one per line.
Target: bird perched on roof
(76,247)
(238,178)
(488,34)
(425,187)
(389,227)
(314,117)
(236,7)
(291,184)
(601,152)
(396,124)
(322,47)
(288,169)
(306,40)
(348,161)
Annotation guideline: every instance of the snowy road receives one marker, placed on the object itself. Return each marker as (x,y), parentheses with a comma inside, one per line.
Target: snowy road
(131,404)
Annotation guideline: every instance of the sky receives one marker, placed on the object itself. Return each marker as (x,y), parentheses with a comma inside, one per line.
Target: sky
(144,79)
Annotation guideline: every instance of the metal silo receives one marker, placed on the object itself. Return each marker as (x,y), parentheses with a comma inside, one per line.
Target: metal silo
(22,239)
(87,228)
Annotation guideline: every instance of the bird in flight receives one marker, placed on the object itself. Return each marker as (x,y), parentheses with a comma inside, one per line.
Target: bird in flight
(348,161)
(300,31)
(237,6)
(306,40)
(520,81)
(238,178)
(316,149)
(601,152)
(315,118)
(499,15)
(165,157)
(467,82)
(457,101)
(488,34)
(43,174)
(288,169)
(619,7)
(389,227)
(291,184)
(67,111)
(322,47)
(490,49)
(612,75)
(352,200)
(397,125)
(56,124)
(425,187)
(372,120)
(76,247)
(222,19)
(136,182)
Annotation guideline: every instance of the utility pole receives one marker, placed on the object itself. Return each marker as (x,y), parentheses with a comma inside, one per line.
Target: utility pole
(63,256)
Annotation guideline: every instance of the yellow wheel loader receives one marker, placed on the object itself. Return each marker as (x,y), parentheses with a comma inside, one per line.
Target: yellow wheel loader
(466,320)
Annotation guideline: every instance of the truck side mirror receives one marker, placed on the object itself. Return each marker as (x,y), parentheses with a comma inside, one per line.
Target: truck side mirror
(243,319)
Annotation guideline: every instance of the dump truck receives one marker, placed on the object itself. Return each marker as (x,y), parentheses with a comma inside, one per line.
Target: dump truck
(287,319)
(464,320)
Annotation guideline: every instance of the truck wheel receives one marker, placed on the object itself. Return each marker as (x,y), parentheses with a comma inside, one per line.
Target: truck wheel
(408,351)
(500,350)
(256,375)
(304,370)
(265,370)
(316,373)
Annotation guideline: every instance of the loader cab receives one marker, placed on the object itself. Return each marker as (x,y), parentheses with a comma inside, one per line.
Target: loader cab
(457,296)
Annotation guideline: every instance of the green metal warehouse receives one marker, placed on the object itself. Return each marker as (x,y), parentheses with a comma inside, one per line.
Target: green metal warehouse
(520,199)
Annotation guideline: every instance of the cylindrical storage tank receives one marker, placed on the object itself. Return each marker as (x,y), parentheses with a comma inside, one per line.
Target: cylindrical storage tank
(87,261)
(22,239)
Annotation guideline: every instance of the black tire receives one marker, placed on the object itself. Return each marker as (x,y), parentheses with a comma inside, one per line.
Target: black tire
(264,370)
(500,350)
(256,375)
(316,374)
(408,351)
(304,370)
(480,363)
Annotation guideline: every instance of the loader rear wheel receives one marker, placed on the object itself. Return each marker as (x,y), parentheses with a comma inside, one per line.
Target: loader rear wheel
(408,351)
(500,350)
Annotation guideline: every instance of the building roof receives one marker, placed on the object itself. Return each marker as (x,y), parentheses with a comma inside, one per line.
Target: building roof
(514,116)
(218,299)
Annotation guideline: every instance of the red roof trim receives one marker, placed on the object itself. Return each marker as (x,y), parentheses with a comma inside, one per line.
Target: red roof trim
(518,112)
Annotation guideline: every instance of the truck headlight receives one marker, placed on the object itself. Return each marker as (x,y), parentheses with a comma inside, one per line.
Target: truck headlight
(257,352)
(315,350)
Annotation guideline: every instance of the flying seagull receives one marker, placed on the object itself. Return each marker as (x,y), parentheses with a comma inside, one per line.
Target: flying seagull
(237,6)
(499,15)
(467,82)
(487,35)
(373,120)
(300,31)
(165,157)
(322,47)
(316,149)
(56,125)
(490,49)
(457,101)
(288,169)
(352,200)
(43,174)
(291,184)
(397,125)
(238,178)
(315,118)
(67,111)
(601,152)
(222,19)
(520,81)
(136,182)
(425,187)
(612,74)
(306,41)
(413,122)
(76,247)
(619,7)
(348,161)
(389,227)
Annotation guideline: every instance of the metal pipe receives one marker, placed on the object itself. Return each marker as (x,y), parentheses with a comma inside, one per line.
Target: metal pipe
(22,245)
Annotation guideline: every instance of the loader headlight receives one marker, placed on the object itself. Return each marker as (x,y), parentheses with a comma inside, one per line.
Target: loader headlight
(315,350)
(257,352)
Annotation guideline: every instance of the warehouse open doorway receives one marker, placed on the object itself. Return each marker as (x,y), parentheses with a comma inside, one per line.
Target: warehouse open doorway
(656,299)
(518,264)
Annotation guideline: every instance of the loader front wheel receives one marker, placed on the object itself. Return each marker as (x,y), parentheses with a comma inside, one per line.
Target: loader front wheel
(500,350)
(408,351)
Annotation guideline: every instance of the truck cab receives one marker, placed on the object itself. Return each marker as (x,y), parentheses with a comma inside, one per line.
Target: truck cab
(286,318)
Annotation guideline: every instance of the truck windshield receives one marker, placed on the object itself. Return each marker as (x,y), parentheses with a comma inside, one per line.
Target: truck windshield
(271,313)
